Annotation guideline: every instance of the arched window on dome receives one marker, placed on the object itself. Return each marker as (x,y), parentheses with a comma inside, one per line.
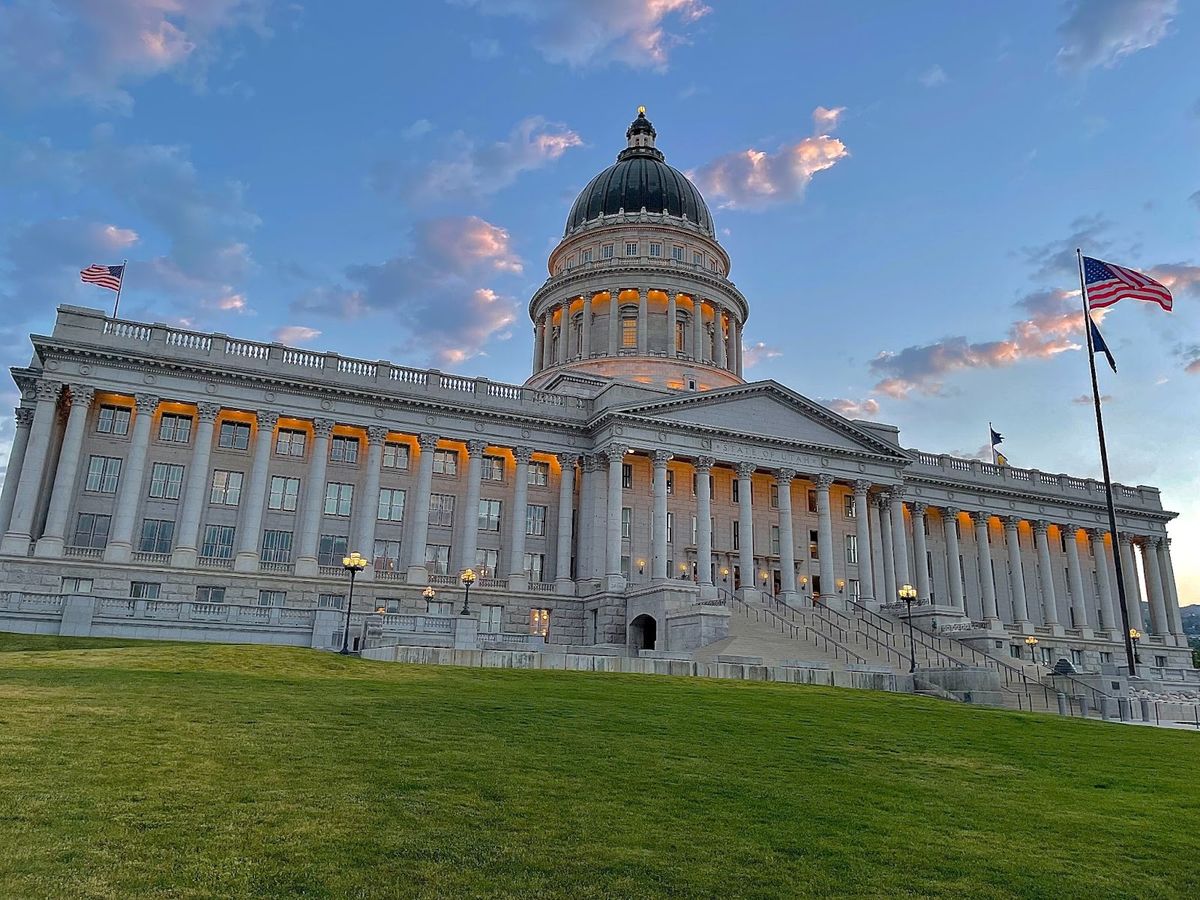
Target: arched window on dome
(577,336)
(682,327)
(629,328)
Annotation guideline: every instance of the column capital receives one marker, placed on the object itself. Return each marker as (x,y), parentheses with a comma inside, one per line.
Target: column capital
(1070,528)
(1126,537)
(591,462)
(898,491)
(824,481)
(146,403)
(47,389)
(704,464)
(1151,540)
(660,458)
(784,477)
(950,512)
(1041,527)
(522,455)
(862,487)
(615,453)
(980,517)
(24,416)
(1011,522)
(267,420)
(1096,534)
(745,469)
(208,412)
(919,509)
(883,500)
(376,434)
(567,460)
(475,449)
(428,440)
(82,395)
(322,427)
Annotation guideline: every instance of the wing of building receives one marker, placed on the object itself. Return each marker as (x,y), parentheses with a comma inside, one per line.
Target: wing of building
(635,493)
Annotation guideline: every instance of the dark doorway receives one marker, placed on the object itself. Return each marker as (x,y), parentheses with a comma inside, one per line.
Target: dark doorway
(643,632)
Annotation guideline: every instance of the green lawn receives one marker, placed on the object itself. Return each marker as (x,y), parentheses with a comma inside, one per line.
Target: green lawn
(186,770)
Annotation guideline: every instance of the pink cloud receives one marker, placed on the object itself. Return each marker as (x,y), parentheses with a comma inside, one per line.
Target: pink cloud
(469,241)
(295,334)
(854,409)
(758,352)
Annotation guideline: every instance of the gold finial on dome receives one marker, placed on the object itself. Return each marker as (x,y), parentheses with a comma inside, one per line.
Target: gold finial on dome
(641,110)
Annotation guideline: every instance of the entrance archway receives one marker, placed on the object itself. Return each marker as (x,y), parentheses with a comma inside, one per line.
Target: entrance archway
(643,632)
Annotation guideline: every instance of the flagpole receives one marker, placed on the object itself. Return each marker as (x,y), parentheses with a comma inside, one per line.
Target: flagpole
(1112,512)
(120,284)
(992,443)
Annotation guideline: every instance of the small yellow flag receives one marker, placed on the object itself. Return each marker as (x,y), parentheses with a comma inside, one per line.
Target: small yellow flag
(1001,459)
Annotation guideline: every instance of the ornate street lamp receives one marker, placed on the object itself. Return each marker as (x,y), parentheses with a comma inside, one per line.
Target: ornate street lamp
(641,566)
(429,593)
(1031,642)
(908,594)
(683,571)
(1135,636)
(467,578)
(725,574)
(840,584)
(354,563)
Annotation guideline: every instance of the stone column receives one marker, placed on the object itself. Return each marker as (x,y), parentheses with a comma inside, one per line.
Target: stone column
(987,589)
(733,353)
(672,320)
(920,550)
(516,537)
(1016,573)
(586,338)
(63,489)
(418,530)
(314,500)
(133,476)
(704,466)
(539,336)
(787,539)
(1133,591)
(890,588)
(1075,578)
(719,345)
(643,323)
(587,538)
(746,524)
(255,496)
(195,494)
(1171,592)
(862,526)
(614,322)
(37,448)
(953,567)
(564,332)
(658,562)
(1159,624)
(547,340)
(470,526)
(876,550)
(613,579)
(367,513)
(825,538)
(566,498)
(1112,621)
(16,458)
(1046,574)
(899,541)
(697,329)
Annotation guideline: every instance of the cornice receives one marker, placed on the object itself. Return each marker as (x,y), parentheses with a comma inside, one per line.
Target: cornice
(605,273)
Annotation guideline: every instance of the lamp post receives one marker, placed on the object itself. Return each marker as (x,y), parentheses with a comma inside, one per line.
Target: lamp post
(908,594)
(840,584)
(641,567)
(1135,636)
(683,571)
(764,576)
(467,578)
(354,563)
(725,574)
(1031,642)
(429,593)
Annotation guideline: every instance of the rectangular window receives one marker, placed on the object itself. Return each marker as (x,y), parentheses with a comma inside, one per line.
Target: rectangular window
(680,339)
(539,474)
(441,510)
(852,549)
(276,547)
(631,248)
(1014,650)
(331,550)
(1159,661)
(234,436)
(144,590)
(439,608)
(694,526)
(489,515)
(330,601)
(629,332)
(437,559)
(848,509)
(535,566)
(774,497)
(812,501)
(486,561)
(670,482)
(272,598)
(585,256)
(855,588)
(166,481)
(338,498)
(677,254)
(395,456)
(539,622)
(76,586)
(103,474)
(1077,657)
(655,249)
(737,535)
(535,520)
(606,251)
(226,488)
(343,449)
(445,462)
(210,594)
(697,258)
(493,468)
(113,420)
(218,542)
(814,545)
(284,493)
(175,429)
(290,442)
(490,617)
(391,505)
(626,523)
(734,491)
(156,536)
(386,556)
(670,527)
(774,540)
(627,476)
(391,604)
(91,531)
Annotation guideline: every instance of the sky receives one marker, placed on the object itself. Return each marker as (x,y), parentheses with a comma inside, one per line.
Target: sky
(901,188)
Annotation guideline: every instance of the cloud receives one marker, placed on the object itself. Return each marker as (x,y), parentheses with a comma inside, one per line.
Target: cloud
(476,170)
(295,334)
(1087,400)
(417,129)
(854,409)
(756,179)
(79,50)
(1056,260)
(758,352)
(582,33)
(1195,198)
(1053,325)
(1190,355)
(1102,32)
(932,77)
(1179,278)
(437,289)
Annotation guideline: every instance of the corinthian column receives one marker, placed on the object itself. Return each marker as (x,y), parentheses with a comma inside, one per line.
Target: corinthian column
(862,524)
(1012,537)
(890,588)
(825,539)
(1045,574)
(16,458)
(418,533)
(133,475)
(188,532)
(1158,607)
(250,527)
(588,538)
(787,540)
(899,541)
(368,503)
(987,588)
(704,466)
(547,339)
(953,565)
(470,531)
(1171,592)
(672,319)
(745,524)
(614,580)
(566,496)
(51,541)
(1075,576)
(719,337)
(314,499)
(614,322)
(920,551)
(585,337)
(658,565)
(1129,577)
(642,323)
(25,501)
(697,329)
(1111,622)
(516,531)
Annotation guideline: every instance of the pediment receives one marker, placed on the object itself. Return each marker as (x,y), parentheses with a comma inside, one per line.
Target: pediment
(765,410)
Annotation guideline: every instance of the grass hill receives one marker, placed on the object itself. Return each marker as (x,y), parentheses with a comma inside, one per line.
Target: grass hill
(188,770)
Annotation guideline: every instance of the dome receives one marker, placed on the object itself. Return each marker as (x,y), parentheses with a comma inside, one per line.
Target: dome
(640,179)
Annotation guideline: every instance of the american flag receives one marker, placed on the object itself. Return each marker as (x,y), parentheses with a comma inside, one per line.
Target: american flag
(105,276)
(1107,283)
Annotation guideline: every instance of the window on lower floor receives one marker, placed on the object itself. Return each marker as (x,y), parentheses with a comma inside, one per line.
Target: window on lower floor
(737,533)
(338,499)
(391,505)
(852,549)
(490,618)
(854,586)
(284,493)
(774,540)
(773,497)
(670,528)
(226,488)
(144,590)
(272,598)
(535,520)
(734,491)
(386,556)
(218,542)
(486,561)
(330,601)
(208,593)
(166,481)
(1105,656)
(390,604)
(437,559)
(276,547)
(331,550)
(102,474)
(631,248)
(535,566)
(1076,657)
(626,523)
(848,508)
(812,501)
(441,510)
(539,622)
(156,536)
(91,530)
(627,476)
(814,545)
(489,515)
(76,586)
(1014,650)
(439,608)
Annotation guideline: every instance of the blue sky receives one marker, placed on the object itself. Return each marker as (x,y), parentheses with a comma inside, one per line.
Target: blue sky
(901,188)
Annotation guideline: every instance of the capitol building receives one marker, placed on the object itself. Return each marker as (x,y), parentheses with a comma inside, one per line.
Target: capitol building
(635,495)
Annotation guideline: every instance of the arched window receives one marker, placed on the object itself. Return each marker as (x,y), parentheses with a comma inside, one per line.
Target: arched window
(681,329)
(629,328)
